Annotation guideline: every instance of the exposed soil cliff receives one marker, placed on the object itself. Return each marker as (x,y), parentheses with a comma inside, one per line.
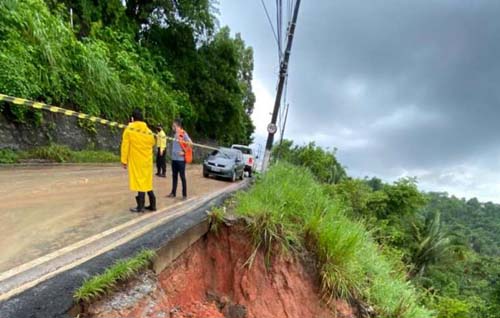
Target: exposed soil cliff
(210,279)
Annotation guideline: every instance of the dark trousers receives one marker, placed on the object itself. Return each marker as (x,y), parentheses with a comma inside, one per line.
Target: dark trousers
(179,168)
(161,163)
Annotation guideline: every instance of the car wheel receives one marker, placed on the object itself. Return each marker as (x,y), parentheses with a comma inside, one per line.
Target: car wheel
(233,176)
(205,174)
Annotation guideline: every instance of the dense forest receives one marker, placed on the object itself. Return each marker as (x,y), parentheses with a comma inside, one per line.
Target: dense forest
(448,247)
(106,57)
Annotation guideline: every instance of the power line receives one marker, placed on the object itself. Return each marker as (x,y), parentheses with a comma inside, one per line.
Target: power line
(287,106)
(272,26)
(284,103)
(279,23)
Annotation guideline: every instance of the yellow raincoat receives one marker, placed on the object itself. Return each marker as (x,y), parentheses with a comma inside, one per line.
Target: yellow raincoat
(137,154)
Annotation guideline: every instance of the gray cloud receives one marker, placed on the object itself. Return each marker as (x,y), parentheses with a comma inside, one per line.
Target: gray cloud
(397,86)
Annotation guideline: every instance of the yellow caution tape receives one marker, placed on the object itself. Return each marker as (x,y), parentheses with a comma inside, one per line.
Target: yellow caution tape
(72,113)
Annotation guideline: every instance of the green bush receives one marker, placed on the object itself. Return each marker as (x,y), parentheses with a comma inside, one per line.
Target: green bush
(56,153)
(8,156)
(63,154)
(93,156)
(289,208)
(453,308)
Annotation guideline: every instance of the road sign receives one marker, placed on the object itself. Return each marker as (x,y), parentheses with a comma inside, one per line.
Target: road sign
(272,128)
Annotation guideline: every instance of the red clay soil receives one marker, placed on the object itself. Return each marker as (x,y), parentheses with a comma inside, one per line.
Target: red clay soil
(210,280)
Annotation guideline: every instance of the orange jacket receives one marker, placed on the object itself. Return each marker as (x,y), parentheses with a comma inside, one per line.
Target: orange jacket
(185,145)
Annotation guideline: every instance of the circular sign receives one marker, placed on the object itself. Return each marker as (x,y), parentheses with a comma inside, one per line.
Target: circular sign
(272,128)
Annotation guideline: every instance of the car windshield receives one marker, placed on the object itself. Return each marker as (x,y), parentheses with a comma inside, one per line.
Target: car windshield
(224,153)
(244,150)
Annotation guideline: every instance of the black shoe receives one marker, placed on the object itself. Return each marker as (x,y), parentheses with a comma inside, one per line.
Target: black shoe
(163,175)
(152,202)
(140,205)
(171,195)
(184,198)
(158,174)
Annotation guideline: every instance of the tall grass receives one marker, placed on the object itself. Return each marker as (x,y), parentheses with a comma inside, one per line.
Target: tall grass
(288,207)
(122,270)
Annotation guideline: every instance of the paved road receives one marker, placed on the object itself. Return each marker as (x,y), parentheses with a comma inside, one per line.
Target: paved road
(43,209)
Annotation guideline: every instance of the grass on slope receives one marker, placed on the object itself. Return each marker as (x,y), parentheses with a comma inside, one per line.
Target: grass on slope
(288,207)
(122,270)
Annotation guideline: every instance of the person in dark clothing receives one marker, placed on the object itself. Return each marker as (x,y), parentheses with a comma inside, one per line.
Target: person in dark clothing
(161,154)
(178,158)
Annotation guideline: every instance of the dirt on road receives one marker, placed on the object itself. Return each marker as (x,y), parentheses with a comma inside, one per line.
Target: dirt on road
(45,208)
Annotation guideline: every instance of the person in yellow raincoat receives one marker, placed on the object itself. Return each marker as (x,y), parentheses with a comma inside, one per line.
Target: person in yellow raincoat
(137,158)
(161,155)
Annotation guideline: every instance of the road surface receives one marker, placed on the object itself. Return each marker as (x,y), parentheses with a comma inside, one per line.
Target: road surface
(45,208)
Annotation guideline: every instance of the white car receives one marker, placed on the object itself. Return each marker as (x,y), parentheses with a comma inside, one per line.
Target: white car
(248,158)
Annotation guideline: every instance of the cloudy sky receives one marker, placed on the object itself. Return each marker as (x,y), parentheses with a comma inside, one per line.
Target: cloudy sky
(401,88)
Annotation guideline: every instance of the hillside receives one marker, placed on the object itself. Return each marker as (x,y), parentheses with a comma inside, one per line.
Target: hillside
(292,252)
(471,274)
(106,59)
(448,246)
(476,222)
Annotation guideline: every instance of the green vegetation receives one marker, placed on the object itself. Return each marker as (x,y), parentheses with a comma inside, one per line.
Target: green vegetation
(58,153)
(322,163)
(122,270)
(448,245)
(216,218)
(467,279)
(94,156)
(289,208)
(447,248)
(8,156)
(167,58)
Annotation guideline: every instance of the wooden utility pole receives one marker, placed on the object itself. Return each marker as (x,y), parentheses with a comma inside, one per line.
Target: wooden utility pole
(272,128)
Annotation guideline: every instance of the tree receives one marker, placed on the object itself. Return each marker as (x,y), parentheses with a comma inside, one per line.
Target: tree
(165,57)
(432,244)
(197,14)
(219,91)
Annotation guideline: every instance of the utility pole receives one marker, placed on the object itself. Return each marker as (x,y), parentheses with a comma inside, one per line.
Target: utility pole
(271,128)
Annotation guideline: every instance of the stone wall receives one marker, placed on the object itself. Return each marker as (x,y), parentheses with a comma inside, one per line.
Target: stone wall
(66,130)
(57,129)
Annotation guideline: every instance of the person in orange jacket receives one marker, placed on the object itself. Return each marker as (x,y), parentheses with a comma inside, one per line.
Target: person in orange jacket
(180,145)
(137,157)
